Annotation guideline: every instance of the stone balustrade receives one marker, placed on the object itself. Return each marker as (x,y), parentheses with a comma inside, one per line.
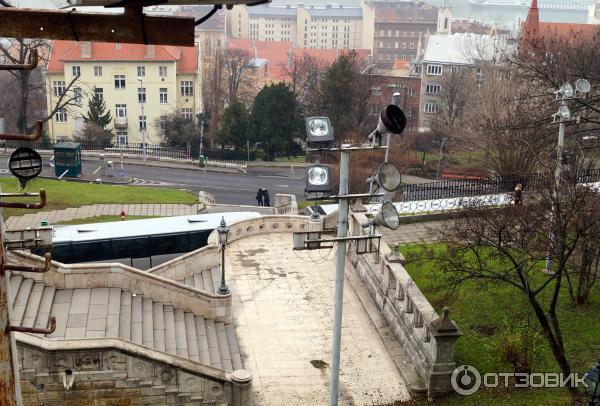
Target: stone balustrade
(428,339)
(116,275)
(285,204)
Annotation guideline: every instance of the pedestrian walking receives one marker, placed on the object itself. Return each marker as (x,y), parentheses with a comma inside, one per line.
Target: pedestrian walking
(259,197)
(266,198)
(518,194)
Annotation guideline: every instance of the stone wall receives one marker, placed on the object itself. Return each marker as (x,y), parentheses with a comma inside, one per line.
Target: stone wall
(428,339)
(115,275)
(66,372)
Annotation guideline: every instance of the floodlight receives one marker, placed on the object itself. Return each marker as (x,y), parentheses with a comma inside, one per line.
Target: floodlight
(388,216)
(318,179)
(564,113)
(388,176)
(582,86)
(391,120)
(25,164)
(566,90)
(318,130)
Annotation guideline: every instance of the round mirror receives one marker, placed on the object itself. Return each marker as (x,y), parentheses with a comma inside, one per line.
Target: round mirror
(25,163)
(388,176)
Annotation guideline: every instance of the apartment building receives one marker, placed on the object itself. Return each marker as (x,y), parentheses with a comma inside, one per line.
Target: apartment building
(130,78)
(314,27)
(401,28)
(455,54)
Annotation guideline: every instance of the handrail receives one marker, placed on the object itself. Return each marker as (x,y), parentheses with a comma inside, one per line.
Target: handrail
(33,62)
(25,268)
(34,330)
(39,128)
(40,205)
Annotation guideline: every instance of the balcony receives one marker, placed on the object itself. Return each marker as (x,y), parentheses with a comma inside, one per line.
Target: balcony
(121,122)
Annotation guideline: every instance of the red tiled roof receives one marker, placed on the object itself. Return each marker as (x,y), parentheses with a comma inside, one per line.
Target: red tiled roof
(279,53)
(70,51)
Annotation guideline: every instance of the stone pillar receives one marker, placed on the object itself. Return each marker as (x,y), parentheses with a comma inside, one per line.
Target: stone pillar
(242,388)
(445,333)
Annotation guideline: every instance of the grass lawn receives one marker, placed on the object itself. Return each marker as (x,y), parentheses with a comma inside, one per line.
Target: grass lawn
(490,315)
(62,195)
(102,219)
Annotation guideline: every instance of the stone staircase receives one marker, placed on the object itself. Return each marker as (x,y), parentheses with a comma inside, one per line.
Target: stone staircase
(116,313)
(207,281)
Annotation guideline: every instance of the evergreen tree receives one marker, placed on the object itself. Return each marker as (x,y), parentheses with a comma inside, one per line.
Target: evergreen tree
(276,119)
(235,126)
(97,113)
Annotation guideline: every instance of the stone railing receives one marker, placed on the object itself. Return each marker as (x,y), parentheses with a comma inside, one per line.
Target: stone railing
(187,265)
(206,198)
(115,275)
(100,368)
(428,339)
(285,204)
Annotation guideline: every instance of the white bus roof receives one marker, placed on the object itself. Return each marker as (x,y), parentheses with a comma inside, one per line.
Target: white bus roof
(146,227)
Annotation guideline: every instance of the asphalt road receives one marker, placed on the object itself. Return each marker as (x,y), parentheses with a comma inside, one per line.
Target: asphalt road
(228,188)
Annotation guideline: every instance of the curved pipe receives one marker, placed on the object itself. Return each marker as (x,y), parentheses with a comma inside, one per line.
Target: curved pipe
(34,330)
(39,128)
(15,205)
(33,62)
(25,268)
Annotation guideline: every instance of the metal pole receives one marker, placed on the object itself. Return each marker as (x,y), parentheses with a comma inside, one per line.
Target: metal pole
(223,289)
(340,256)
(248,150)
(9,371)
(557,176)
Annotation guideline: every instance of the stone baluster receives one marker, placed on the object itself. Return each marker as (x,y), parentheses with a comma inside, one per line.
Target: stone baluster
(445,333)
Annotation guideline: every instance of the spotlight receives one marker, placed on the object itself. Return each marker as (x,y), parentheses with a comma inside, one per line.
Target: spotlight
(582,86)
(318,179)
(319,131)
(388,216)
(388,176)
(391,120)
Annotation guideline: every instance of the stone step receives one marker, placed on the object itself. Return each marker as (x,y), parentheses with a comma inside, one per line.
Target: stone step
(113,312)
(208,282)
(198,281)
(98,313)
(136,319)
(158,321)
(202,340)
(189,281)
(21,299)
(180,338)
(170,343)
(223,347)
(216,278)
(234,349)
(190,334)
(61,305)
(15,282)
(78,314)
(125,316)
(43,316)
(213,345)
(147,323)
(33,305)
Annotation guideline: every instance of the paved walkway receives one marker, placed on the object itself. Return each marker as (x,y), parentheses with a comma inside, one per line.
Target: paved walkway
(410,233)
(283,313)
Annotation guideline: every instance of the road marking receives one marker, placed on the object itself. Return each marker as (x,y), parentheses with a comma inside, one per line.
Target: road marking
(282,185)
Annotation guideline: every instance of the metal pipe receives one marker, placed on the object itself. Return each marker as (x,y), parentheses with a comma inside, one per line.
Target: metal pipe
(15,205)
(342,231)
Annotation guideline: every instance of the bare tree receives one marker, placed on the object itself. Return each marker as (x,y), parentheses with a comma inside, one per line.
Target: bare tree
(236,75)
(305,75)
(30,85)
(213,94)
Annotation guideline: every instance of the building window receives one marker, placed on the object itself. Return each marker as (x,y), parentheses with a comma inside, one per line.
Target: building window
(187,113)
(76,71)
(404,45)
(187,88)
(119,81)
(142,123)
(412,92)
(431,107)
(61,116)
(435,70)
(162,71)
(141,71)
(97,70)
(432,88)
(122,138)
(98,91)
(78,95)
(376,91)
(381,33)
(59,87)
(141,95)
(412,45)
(121,110)
(396,44)
(163,95)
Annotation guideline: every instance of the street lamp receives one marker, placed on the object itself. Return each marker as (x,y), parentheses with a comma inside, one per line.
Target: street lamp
(592,384)
(223,232)
(143,130)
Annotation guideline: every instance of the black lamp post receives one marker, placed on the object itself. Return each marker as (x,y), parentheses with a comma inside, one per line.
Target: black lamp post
(592,381)
(223,231)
